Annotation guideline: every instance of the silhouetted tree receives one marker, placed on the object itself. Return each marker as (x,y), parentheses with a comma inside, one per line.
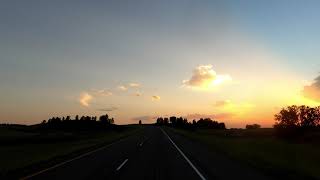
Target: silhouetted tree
(111,121)
(173,120)
(165,121)
(183,123)
(293,121)
(105,119)
(160,121)
(140,122)
(288,117)
(298,117)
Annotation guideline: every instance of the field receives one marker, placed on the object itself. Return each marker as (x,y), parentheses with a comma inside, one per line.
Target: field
(261,149)
(22,150)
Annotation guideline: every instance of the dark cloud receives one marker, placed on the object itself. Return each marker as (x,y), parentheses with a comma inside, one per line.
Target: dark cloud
(313,91)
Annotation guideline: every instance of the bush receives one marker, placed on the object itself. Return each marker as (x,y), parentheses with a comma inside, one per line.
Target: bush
(253,126)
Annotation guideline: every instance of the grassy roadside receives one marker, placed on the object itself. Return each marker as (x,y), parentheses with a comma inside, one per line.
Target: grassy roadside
(268,153)
(24,152)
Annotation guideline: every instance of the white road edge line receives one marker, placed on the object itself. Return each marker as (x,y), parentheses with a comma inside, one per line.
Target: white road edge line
(185,157)
(122,164)
(65,162)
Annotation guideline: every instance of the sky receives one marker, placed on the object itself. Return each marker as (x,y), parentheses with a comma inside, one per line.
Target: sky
(238,62)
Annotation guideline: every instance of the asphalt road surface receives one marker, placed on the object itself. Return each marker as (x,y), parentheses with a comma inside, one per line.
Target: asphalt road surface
(153,153)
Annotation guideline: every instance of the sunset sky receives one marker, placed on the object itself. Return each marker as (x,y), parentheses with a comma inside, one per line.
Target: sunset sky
(234,61)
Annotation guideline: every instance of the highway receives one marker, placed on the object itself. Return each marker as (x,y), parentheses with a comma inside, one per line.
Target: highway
(153,153)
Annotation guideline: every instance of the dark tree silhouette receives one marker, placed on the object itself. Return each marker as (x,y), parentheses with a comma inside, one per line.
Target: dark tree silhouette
(253,126)
(298,117)
(105,119)
(84,123)
(183,123)
(293,121)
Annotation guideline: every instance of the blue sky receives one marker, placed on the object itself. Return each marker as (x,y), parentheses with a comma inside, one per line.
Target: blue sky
(52,51)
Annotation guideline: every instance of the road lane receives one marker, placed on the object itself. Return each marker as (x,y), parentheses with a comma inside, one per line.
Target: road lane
(151,154)
(157,159)
(185,157)
(215,165)
(96,165)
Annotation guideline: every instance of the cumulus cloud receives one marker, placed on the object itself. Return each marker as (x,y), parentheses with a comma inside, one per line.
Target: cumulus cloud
(313,91)
(156,98)
(85,99)
(205,77)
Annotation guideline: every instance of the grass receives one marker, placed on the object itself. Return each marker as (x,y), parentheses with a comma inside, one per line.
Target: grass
(262,150)
(22,151)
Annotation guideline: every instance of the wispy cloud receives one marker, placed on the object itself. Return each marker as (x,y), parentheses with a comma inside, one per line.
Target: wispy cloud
(134,85)
(222,103)
(122,88)
(156,98)
(235,108)
(313,91)
(218,116)
(102,92)
(137,94)
(205,77)
(128,86)
(85,99)
(108,109)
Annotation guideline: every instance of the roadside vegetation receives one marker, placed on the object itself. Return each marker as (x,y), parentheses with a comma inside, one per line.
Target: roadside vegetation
(288,150)
(24,149)
(183,123)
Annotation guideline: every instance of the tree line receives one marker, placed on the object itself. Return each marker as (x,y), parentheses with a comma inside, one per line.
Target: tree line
(180,122)
(83,122)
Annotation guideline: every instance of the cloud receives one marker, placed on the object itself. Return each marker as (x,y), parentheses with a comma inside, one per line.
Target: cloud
(313,91)
(156,98)
(85,99)
(218,116)
(122,88)
(205,77)
(102,92)
(222,103)
(130,85)
(134,85)
(109,109)
(137,94)
(235,108)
